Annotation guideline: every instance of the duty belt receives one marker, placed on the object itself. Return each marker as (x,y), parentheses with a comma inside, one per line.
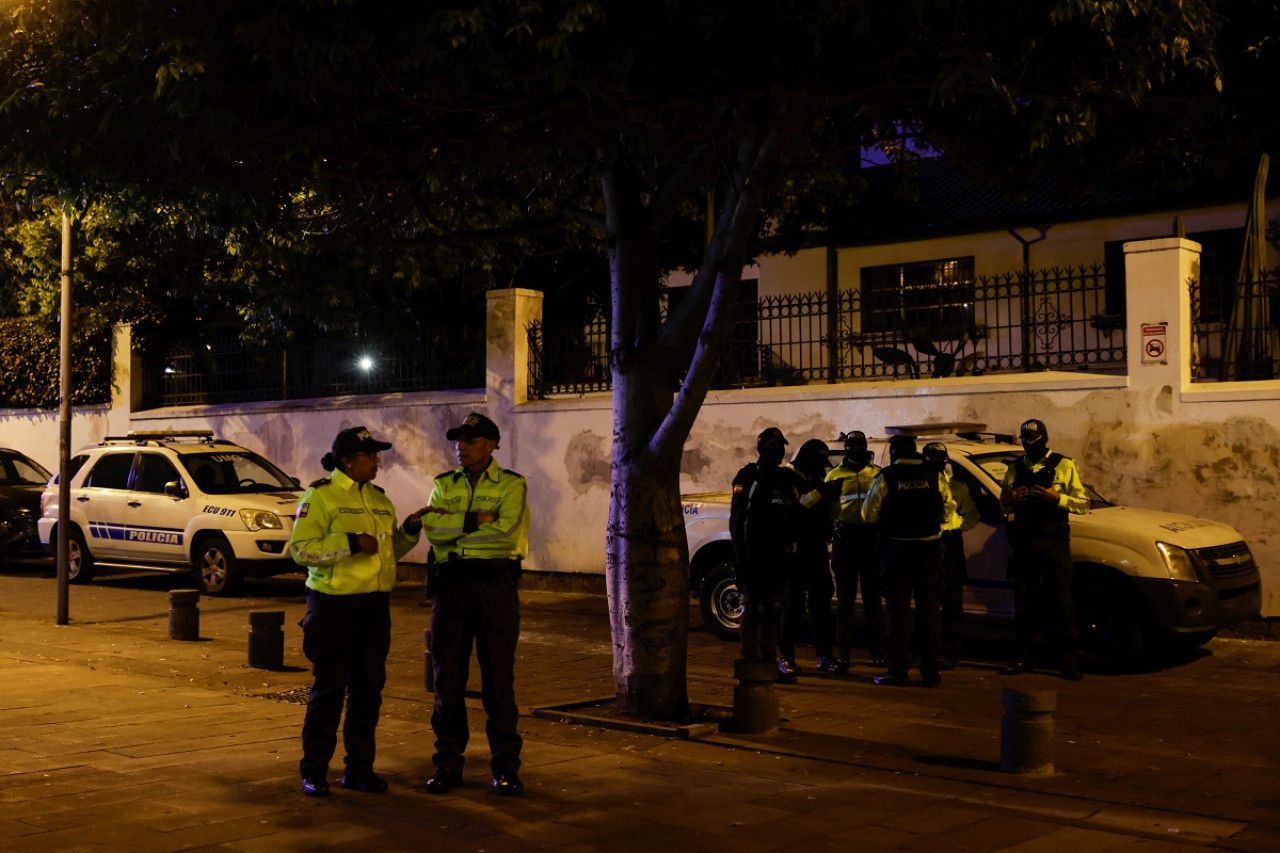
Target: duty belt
(854,525)
(456,566)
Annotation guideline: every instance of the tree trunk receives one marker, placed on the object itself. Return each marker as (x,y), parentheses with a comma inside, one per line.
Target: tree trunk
(646,555)
(661,373)
(648,591)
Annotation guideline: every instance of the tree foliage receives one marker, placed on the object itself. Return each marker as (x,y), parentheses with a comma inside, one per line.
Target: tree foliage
(29,352)
(491,135)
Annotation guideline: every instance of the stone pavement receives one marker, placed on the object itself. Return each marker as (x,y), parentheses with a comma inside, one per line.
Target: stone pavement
(113,737)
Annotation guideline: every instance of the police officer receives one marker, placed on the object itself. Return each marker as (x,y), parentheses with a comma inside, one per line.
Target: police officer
(911,502)
(811,572)
(345,533)
(1040,491)
(479,535)
(762,515)
(854,553)
(954,567)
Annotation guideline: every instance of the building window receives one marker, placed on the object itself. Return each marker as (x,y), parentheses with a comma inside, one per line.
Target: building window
(927,299)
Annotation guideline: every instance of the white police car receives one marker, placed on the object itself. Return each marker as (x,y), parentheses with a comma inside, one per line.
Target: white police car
(176,502)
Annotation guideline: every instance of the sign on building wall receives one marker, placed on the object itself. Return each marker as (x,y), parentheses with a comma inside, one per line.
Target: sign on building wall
(1155,348)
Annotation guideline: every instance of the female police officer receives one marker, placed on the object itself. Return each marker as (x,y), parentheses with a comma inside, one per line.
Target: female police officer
(345,533)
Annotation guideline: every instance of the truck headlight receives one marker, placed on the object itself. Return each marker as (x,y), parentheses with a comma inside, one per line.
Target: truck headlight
(1179,562)
(260,519)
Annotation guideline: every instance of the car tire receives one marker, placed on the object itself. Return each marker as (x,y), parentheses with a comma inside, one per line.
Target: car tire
(80,565)
(216,567)
(1111,624)
(721,601)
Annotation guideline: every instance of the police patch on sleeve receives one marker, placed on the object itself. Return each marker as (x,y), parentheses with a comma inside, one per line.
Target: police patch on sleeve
(302,511)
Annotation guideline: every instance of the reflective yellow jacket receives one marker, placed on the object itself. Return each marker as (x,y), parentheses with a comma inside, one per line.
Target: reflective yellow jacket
(854,487)
(330,512)
(457,535)
(966,516)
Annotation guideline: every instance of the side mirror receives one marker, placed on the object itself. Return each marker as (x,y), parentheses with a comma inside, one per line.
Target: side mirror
(296,482)
(175,489)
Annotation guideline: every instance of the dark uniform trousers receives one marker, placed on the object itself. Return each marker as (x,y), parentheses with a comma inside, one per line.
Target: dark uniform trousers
(855,557)
(913,568)
(346,638)
(476,602)
(764,582)
(810,580)
(1042,596)
(955,572)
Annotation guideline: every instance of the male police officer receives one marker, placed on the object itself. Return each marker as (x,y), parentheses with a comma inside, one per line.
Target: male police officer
(811,571)
(954,568)
(762,516)
(479,534)
(854,555)
(1039,491)
(911,502)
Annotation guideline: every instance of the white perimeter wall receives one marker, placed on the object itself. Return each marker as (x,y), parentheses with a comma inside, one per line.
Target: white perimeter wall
(1150,439)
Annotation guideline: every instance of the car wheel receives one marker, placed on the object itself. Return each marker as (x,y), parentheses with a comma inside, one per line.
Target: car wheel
(80,567)
(1110,624)
(216,566)
(722,602)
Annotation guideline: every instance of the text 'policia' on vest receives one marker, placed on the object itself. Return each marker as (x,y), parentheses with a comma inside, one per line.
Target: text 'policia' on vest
(912,506)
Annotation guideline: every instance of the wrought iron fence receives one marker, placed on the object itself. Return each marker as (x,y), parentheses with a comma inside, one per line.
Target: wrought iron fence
(569,360)
(1235,329)
(1045,319)
(1040,320)
(228,371)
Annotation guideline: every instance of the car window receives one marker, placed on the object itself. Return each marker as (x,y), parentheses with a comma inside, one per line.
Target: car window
(73,467)
(988,504)
(234,472)
(154,471)
(18,470)
(77,462)
(111,471)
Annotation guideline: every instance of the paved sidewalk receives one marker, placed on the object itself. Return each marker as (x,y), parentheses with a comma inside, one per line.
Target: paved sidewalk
(115,738)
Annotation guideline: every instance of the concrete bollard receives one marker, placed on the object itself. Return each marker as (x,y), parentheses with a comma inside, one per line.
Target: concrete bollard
(266,639)
(1026,731)
(428,666)
(184,616)
(755,701)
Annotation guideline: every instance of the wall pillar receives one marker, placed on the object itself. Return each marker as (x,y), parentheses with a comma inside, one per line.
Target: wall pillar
(508,315)
(1158,274)
(126,380)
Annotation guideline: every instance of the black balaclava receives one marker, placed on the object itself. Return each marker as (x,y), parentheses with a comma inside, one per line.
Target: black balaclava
(771,446)
(1035,439)
(935,455)
(902,447)
(856,455)
(813,459)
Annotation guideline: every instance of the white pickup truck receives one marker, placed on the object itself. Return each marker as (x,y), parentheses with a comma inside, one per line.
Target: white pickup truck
(1145,580)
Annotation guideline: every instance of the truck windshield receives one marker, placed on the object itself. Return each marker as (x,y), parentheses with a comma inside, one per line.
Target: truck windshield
(996,464)
(235,472)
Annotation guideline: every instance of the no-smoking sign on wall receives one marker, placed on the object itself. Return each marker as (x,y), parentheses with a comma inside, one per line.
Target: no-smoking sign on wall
(1154,343)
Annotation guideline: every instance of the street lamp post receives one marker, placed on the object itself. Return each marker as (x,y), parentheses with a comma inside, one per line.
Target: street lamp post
(64,436)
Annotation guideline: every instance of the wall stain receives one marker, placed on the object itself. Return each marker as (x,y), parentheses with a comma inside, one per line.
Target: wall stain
(587,462)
